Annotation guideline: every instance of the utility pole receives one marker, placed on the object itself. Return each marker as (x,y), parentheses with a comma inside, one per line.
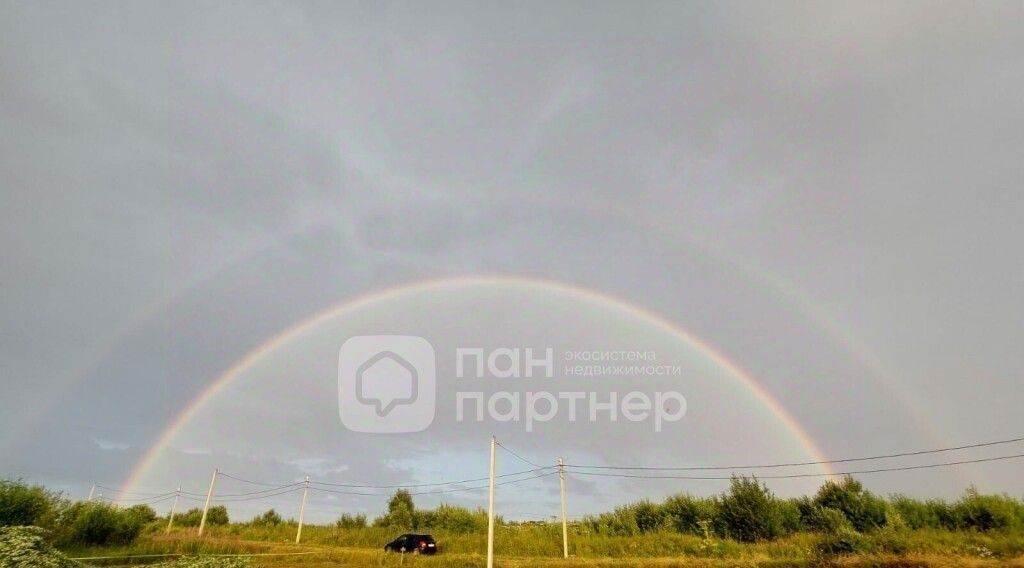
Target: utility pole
(206,507)
(565,526)
(490,511)
(92,491)
(174,505)
(302,510)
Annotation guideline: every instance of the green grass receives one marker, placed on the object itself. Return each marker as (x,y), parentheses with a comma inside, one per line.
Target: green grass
(540,545)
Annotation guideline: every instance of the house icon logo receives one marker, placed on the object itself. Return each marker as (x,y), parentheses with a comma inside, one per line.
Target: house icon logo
(387,368)
(386,384)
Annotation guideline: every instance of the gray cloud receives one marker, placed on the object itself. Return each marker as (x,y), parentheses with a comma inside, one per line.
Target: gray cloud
(180,183)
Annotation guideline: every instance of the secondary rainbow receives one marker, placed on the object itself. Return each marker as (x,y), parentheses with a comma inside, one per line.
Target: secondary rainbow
(656,320)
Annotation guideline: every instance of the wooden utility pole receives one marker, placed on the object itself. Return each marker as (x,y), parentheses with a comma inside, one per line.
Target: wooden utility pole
(302,510)
(565,526)
(490,511)
(206,507)
(174,505)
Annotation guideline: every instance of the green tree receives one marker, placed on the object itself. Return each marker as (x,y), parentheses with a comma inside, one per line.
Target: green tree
(23,504)
(142,513)
(347,521)
(685,513)
(267,519)
(988,512)
(401,511)
(862,508)
(649,516)
(748,511)
(217,516)
(99,524)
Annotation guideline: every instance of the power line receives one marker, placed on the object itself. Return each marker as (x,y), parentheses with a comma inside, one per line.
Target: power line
(439,483)
(520,457)
(797,464)
(437,491)
(148,501)
(236,498)
(801,475)
(248,493)
(249,481)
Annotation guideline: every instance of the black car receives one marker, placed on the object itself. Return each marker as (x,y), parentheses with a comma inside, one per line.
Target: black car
(416,543)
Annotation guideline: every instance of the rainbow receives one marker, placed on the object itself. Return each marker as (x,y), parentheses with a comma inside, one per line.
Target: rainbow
(657,321)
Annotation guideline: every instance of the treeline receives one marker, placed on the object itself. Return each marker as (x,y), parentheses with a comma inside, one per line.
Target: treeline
(748,511)
(402,514)
(85,522)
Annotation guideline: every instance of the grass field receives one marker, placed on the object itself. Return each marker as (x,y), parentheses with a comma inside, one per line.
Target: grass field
(540,546)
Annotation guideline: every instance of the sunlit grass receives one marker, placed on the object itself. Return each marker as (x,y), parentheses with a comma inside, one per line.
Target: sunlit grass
(540,545)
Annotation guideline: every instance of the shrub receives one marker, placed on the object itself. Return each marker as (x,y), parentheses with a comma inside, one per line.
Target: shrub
(790,516)
(844,541)
(215,516)
(829,521)
(25,547)
(749,512)
(99,524)
(620,522)
(23,504)
(347,521)
(401,512)
(988,512)
(143,513)
(685,513)
(920,515)
(864,510)
(649,516)
(268,519)
(455,519)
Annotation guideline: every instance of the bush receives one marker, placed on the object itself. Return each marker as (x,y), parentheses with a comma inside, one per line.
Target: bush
(620,522)
(649,516)
(455,519)
(988,512)
(749,512)
(268,519)
(347,521)
(25,547)
(142,513)
(790,516)
(931,514)
(829,521)
(99,524)
(684,513)
(401,512)
(845,541)
(215,516)
(23,504)
(862,508)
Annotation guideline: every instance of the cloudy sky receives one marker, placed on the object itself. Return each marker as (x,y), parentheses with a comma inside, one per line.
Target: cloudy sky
(827,195)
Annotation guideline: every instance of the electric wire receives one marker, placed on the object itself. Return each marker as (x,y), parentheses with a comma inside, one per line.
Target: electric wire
(806,463)
(437,491)
(521,458)
(434,484)
(796,476)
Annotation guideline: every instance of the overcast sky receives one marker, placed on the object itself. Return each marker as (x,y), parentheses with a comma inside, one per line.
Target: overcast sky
(829,194)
